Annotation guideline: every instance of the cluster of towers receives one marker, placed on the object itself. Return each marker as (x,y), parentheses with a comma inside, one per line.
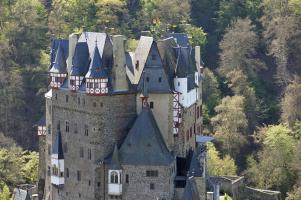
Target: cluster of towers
(120,124)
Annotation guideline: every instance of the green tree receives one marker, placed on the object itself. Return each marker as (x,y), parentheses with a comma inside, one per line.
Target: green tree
(26,30)
(238,49)
(218,166)
(197,36)
(211,92)
(230,124)
(294,194)
(5,194)
(290,104)
(272,167)
(240,86)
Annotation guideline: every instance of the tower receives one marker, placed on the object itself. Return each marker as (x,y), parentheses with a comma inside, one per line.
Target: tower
(58,71)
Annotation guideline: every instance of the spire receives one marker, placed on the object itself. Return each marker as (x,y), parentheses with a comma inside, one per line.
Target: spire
(96,69)
(59,64)
(81,59)
(58,147)
(115,163)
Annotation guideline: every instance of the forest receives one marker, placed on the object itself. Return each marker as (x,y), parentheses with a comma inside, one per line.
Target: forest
(251,81)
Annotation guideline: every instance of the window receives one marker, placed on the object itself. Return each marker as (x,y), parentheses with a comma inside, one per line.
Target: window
(78,100)
(79,195)
(147,79)
(62,174)
(81,152)
(151,104)
(49,129)
(55,170)
(198,114)
(114,177)
(58,125)
(178,83)
(126,178)
(94,104)
(98,184)
(67,126)
(67,98)
(89,182)
(160,79)
(78,175)
(89,154)
(67,172)
(55,96)
(75,128)
(152,173)
(137,65)
(190,132)
(86,130)
(101,104)
(152,186)
(84,101)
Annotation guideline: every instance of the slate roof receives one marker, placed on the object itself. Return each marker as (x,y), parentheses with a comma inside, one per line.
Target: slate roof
(42,121)
(57,146)
(114,162)
(59,65)
(181,38)
(20,194)
(153,85)
(55,44)
(191,190)
(195,166)
(96,69)
(144,144)
(169,59)
(129,58)
(81,60)
(185,64)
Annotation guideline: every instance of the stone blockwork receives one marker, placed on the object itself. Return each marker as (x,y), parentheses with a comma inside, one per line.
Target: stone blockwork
(139,185)
(90,127)
(185,140)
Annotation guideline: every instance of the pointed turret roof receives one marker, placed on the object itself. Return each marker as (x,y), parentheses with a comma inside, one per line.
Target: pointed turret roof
(96,69)
(115,163)
(81,60)
(195,166)
(57,146)
(59,64)
(191,190)
(42,121)
(144,144)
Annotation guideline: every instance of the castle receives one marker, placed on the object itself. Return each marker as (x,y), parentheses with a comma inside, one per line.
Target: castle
(122,125)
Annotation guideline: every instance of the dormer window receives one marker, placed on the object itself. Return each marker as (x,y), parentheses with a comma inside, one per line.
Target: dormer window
(114,178)
(115,186)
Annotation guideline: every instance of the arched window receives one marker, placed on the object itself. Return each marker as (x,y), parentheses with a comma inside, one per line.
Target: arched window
(114,177)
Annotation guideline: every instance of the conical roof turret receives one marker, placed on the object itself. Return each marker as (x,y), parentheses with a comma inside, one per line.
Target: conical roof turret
(59,65)
(96,69)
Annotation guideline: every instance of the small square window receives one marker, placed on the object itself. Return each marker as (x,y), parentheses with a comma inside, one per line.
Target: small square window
(152,186)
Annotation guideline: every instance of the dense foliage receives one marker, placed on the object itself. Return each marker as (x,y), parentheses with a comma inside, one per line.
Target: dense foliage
(251,84)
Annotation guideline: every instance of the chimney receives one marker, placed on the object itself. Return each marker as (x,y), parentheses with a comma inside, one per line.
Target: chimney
(120,82)
(197,57)
(72,43)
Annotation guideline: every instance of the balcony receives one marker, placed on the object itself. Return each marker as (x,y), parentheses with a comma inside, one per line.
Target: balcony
(115,189)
